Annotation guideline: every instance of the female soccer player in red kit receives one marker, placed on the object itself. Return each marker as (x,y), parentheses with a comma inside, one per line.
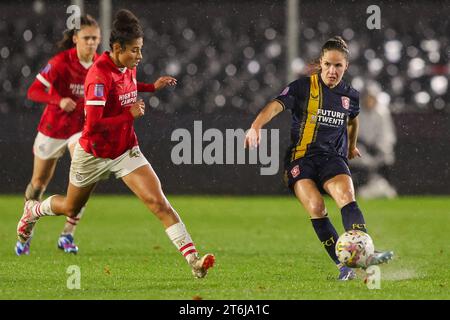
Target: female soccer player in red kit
(60,86)
(109,144)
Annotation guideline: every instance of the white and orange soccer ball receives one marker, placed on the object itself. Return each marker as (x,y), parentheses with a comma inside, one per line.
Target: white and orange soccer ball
(354,248)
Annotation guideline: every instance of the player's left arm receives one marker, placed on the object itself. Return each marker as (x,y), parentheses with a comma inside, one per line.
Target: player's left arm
(352,130)
(159,84)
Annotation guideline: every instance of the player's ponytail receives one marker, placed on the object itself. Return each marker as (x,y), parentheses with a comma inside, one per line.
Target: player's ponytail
(67,41)
(313,67)
(126,28)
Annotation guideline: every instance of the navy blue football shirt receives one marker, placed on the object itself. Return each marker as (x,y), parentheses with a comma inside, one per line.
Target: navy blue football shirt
(319,116)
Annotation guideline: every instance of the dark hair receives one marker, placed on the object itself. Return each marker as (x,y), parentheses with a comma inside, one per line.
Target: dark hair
(335,43)
(126,28)
(66,42)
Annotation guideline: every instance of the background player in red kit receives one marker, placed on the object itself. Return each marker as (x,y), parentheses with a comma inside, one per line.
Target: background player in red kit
(60,85)
(109,144)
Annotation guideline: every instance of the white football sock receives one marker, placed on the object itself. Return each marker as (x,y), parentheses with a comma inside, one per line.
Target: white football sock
(43,208)
(179,236)
(71,223)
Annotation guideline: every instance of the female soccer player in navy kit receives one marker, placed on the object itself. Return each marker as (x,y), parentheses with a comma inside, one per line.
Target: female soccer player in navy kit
(109,145)
(323,133)
(60,86)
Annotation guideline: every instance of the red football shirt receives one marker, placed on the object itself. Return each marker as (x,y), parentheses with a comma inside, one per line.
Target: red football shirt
(109,94)
(64,77)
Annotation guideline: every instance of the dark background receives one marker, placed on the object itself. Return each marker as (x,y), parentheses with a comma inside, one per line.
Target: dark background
(208,46)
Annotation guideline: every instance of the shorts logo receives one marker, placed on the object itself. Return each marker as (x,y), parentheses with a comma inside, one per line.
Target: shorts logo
(295,171)
(78,176)
(345,102)
(134,153)
(284,92)
(180,243)
(98,90)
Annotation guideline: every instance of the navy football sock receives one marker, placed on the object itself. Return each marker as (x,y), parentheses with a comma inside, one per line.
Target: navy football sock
(327,235)
(352,217)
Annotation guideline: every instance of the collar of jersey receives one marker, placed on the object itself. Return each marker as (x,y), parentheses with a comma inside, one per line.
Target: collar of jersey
(74,57)
(112,64)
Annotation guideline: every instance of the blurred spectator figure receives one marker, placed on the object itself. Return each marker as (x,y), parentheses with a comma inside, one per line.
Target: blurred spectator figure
(376,142)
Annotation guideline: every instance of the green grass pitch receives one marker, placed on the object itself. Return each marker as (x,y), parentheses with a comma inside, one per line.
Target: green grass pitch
(265,249)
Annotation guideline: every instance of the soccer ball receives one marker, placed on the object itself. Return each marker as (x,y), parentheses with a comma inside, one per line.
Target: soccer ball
(354,248)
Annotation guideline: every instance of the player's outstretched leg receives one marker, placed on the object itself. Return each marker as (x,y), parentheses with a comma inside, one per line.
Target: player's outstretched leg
(180,237)
(144,182)
(352,218)
(201,265)
(328,236)
(380,257)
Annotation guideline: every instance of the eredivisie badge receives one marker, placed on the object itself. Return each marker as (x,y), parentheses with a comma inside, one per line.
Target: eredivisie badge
(345,102)
(98,90)
(285,91)
(47,68)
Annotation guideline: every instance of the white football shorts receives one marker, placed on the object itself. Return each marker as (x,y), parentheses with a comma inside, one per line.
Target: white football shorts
(87,169)
(49,148)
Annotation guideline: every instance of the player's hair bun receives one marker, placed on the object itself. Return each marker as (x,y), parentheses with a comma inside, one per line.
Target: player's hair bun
(126,28)
(124,20)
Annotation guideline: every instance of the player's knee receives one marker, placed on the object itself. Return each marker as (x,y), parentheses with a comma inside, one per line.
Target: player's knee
(157,205)
(316,208)
(346,196)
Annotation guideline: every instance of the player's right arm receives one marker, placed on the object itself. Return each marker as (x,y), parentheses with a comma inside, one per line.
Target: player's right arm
(287,99)
(96,123)
(253,135)
(97,90)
